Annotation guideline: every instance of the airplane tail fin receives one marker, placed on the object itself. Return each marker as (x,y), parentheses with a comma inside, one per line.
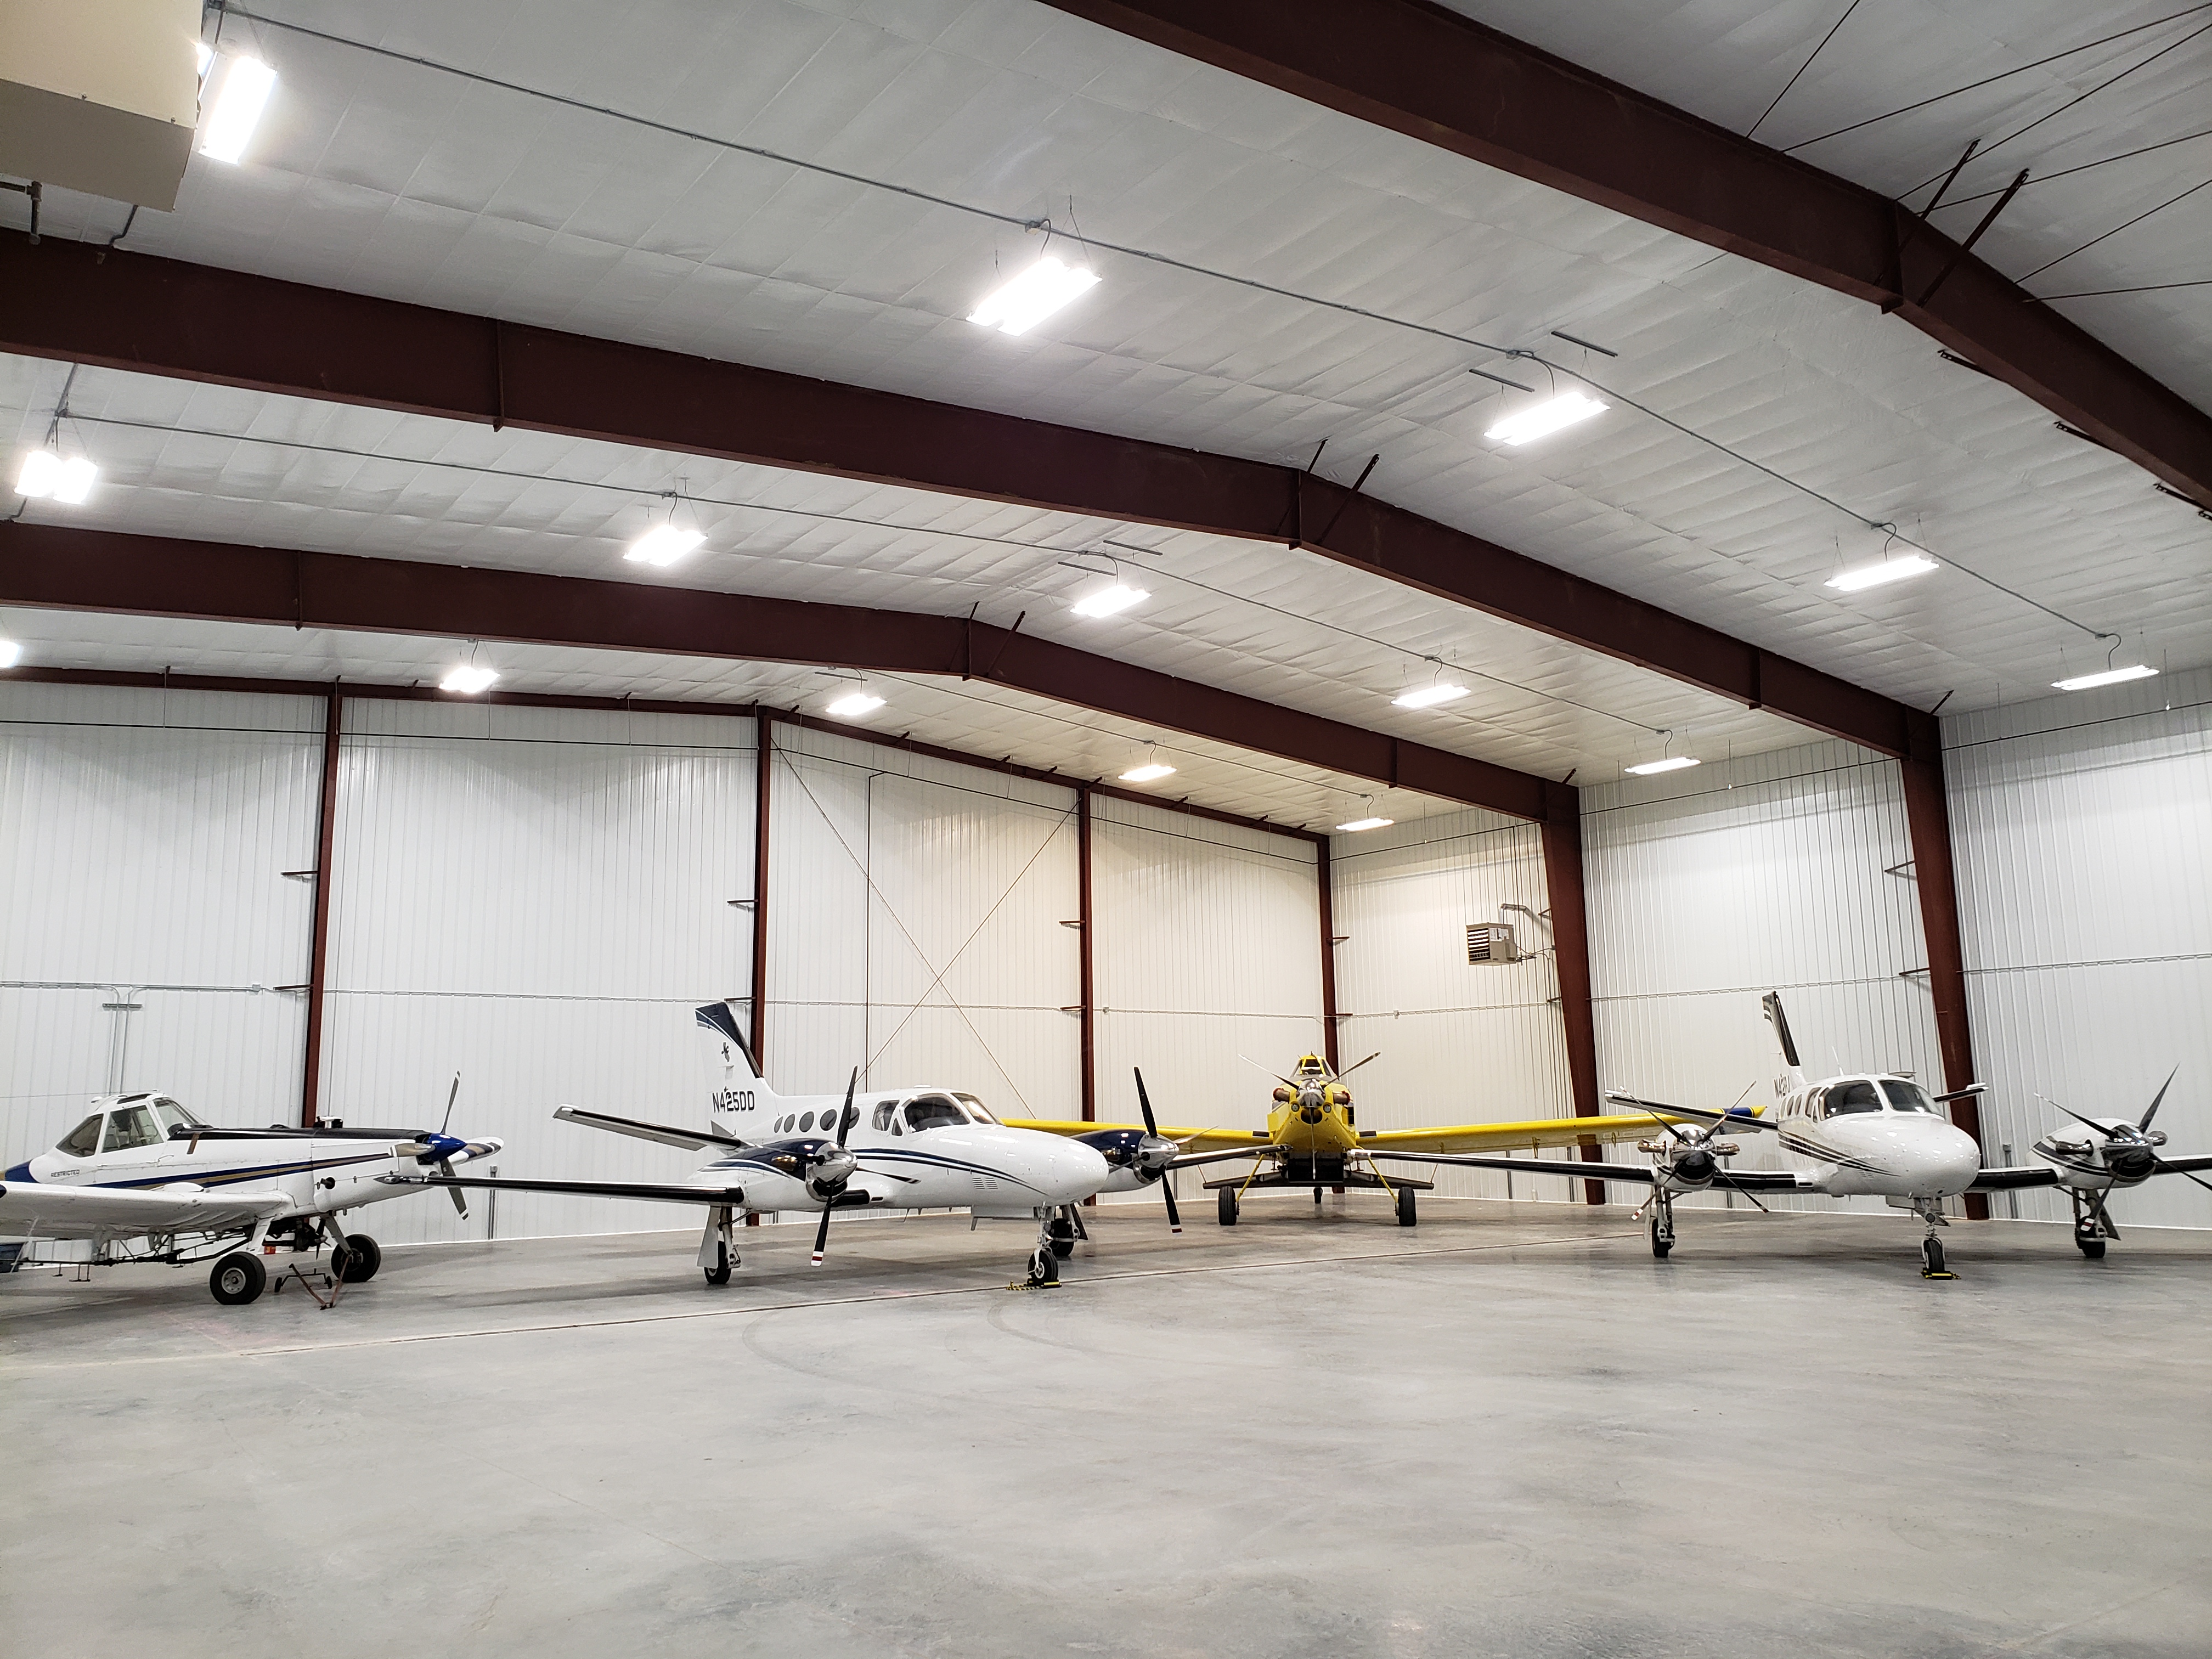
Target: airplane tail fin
(1794,1078)
(737,1076)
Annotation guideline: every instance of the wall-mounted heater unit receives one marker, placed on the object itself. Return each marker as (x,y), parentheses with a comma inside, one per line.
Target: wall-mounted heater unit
(1491,942)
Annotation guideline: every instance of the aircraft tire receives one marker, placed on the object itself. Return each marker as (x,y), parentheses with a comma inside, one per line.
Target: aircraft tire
(719,1272)
(2092,1247)
(1660,1245)
(237,1279)
(1227,1208)
(362,1259)
(1406,1218)
(1063,1237)
(1931,1255)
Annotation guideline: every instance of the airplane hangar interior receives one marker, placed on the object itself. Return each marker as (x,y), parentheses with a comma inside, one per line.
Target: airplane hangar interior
(1277,828)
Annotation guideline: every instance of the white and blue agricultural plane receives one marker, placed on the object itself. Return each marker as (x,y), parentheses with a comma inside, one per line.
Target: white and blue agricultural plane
(145,1180)
(910,1148)
(1870,1134)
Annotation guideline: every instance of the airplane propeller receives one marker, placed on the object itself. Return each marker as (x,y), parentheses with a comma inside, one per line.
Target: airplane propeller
(840,1164)
(438,1150)
(1151,1135)
(2130,1152)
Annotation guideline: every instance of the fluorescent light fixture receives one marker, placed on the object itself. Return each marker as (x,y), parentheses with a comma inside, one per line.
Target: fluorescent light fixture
(245,87)
(2108,676)
(663,546)
(45,473)
(1542,420)
(1672,763)
(1368,823)
(1428,697)
(1020,305)
(854,704)
(468,679)
(1150,772)
(1880,571)
(1106,601)
(11,652)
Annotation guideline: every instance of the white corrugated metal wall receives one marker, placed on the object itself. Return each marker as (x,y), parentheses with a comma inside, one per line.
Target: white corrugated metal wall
(143,839)
(2083,834)
(1709,887)
(1458,1043)
(535,898)
(1208,948)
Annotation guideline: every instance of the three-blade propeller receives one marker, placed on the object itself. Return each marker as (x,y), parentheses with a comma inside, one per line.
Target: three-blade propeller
(2130,1149)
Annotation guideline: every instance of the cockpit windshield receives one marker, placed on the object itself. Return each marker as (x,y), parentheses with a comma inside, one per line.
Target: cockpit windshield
(83,1140)
(1853,1096)
(976,1109)
(934,1112)
(1907,1097)
(174,1117)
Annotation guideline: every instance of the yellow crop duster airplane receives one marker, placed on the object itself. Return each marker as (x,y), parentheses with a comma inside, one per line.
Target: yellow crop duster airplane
(1313,1140)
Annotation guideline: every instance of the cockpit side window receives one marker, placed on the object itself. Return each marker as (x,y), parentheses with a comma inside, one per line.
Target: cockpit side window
(1907,1097)
(129,1126)
(881,1120)
(83,1140)
(934,1112)
(174,1116)
(976,1109)
(1853,1096)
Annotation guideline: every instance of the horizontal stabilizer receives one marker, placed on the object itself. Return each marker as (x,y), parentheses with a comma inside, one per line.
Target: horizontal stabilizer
(691,1141)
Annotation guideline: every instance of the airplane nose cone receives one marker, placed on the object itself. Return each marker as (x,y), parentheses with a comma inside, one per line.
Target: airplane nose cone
(1073,1171)
(1960,1162)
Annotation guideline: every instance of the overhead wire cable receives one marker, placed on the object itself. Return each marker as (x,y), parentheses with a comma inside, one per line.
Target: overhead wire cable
(1801,68)
(2003,74)
(2117,229)
(2148,287)
(2085,166)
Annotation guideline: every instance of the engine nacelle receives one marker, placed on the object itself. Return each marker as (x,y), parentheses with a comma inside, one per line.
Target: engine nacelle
(2090,1162)
(829,1170)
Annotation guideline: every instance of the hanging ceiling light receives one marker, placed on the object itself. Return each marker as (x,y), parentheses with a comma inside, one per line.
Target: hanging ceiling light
(1428,697)
(1151,769)
(1371,820)
(1881,570)
(1672,763)
(2106,677)
(662,546)
(854,704)
(468,679)
(46,474)
(246,83)
(1109,600)
(1020,305)
(1542,420)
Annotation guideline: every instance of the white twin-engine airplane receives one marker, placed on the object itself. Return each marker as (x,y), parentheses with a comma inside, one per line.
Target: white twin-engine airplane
(906,1148)
(145,1180)
(1875,1134)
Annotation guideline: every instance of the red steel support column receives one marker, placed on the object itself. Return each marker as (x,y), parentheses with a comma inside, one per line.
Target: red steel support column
(1927,821)
(318,946)
(1087,984)
(764,754)
(1325,880)
(1563,883)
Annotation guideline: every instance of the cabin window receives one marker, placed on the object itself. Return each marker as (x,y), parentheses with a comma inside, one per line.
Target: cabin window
(1855,1097)
(1907,1097)
(174,1117)
(976,1109)
(129,1126)
(806,1121)
(881,1120)
(934,1112)
(83,1140)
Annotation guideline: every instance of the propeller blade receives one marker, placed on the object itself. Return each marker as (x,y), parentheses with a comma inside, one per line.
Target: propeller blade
(460,1200)
(845,1118)
(822,1232)
(2164,1168)
(1355,1066)
(844,1127)
(1174,1217)
(2108,1135)
(452,1095)
(2158,1100)
(1746,1191)
(1145,1103)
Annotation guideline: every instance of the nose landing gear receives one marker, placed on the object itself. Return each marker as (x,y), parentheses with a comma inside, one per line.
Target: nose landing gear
(1931,1248)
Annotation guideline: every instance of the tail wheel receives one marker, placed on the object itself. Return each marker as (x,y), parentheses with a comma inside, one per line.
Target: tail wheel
(237,1280)
(1406,1216)
(358,1262)
(2092,1247)
(1228,1206)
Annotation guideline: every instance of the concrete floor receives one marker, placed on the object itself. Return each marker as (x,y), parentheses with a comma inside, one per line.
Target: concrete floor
(1509,1432)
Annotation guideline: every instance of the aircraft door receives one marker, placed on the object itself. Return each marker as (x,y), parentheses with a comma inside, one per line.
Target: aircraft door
(132,1142)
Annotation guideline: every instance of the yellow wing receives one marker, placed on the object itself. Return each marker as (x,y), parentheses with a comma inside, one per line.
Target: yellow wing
(1215,1140)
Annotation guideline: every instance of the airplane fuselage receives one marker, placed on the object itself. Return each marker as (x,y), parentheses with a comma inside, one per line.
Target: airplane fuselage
(1874,1135)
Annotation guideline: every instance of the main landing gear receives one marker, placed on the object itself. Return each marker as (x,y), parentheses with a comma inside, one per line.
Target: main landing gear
(1405,1216)
(1931,1211)
(237,1280)
(1228,1206)
(354,1258)
(2092,1222)
(718,1245)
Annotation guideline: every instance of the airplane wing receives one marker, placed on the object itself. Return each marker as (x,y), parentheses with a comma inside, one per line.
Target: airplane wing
(1749,1118)
(691,1141)
(2042,1174)
(1215,1140)
(665,1192)
(1534,1132)
(59,1210)
(1743,1181)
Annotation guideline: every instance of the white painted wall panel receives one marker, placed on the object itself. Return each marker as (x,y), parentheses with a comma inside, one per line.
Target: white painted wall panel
(143,836)
(1707,887)
(537,898)
(1458,1043)
(1208,947)
(2083,834)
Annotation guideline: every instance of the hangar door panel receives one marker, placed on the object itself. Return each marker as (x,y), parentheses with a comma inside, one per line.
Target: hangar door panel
(146,835)
(1208,947)
(537,899)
